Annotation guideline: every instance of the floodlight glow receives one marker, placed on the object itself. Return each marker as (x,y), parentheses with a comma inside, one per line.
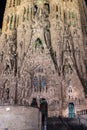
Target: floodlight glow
(8,109)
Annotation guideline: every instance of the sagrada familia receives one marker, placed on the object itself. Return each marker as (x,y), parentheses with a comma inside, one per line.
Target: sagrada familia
(43,58)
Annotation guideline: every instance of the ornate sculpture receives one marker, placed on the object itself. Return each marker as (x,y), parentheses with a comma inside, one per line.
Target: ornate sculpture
(12,50)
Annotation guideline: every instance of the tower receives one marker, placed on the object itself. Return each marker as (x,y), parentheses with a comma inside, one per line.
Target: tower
(42,56)
(83,12)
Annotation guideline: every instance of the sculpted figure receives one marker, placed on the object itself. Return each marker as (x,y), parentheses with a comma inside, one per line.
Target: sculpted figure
(7,67)
(5,98)
(67,67)
(12,49)
(1,56)
(11,101)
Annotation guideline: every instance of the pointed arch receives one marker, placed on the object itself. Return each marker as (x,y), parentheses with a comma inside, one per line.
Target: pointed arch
(35,83)
(10,3)
(28,11)
(14,3)
(15,20)
(56,8)
(18,2)
(65,17)
(38,44)
(34,103)
(71,109)
(47,7)
(8,20)
(11,21)
(24,13)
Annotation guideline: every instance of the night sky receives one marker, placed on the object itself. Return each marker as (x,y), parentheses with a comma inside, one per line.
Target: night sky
(2,8)
(86,2)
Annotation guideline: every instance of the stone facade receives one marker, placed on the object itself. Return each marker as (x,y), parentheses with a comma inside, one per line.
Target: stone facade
(42,55)
(83,12)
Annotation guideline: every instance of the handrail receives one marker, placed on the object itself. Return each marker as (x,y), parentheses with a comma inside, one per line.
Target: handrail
(81,112)
(82,118)
(80,123)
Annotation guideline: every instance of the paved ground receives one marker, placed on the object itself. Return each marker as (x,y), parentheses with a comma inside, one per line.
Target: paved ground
(66,124)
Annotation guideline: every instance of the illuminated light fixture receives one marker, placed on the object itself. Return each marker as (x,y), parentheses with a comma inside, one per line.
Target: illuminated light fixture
(8,109)
(40,1)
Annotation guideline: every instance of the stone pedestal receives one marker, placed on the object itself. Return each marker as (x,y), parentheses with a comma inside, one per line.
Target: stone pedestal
(19,118)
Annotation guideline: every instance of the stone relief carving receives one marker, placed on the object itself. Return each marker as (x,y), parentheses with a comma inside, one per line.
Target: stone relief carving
(5,93)
(1,56)
(54,105)
(7,67)
(41,16)
(12,54)
(67,67)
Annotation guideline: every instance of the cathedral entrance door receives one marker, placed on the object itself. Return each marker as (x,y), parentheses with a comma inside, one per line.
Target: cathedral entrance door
(71,110)
(44,112)
(34,103)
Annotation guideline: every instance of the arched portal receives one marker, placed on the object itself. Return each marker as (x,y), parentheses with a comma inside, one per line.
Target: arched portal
(34,103)
(71,108)
(44,112)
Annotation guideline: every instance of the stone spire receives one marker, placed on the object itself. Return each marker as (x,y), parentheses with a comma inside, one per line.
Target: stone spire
(11,16)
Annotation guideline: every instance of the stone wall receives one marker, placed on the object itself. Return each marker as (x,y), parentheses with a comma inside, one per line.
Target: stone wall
(19,118)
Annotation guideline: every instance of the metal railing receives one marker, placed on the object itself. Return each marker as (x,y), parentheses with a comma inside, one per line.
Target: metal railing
(82,112)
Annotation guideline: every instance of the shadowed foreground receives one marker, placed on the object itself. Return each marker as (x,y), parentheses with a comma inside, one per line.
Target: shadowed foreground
(66,124)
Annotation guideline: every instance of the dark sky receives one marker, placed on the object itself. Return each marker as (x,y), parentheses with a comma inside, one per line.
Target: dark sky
(86,2)
(2,8)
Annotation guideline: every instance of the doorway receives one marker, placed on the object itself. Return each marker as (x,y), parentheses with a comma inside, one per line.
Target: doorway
(44,112)
(34,103)
(71,108)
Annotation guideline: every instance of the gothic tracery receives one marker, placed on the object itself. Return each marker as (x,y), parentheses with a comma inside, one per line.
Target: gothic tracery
(42,54)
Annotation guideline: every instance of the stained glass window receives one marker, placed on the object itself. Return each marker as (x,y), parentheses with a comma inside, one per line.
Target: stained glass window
(43,82)
(11,22)
(38,43)
(47,7)
(73,15)
(35,83)
(56,8)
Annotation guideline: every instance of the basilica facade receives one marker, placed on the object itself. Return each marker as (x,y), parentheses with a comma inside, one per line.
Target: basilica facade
(42,56)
